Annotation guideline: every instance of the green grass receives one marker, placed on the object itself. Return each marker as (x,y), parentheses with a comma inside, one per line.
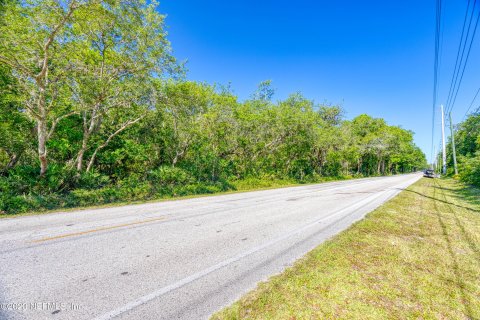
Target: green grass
(415,257)
(238,186)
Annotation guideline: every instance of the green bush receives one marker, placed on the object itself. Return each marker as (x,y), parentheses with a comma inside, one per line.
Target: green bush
(14,204)
(169,176)
(25,180)
(84,197)
(470,170)
(92,180)
(197,188)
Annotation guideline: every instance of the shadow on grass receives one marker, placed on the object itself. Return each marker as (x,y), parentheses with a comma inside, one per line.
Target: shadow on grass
(471,195)
(458,281)
(463,194)
(464,198)
(466,235)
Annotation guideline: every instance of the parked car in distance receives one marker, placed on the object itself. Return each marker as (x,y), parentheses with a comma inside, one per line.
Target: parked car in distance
(429,173)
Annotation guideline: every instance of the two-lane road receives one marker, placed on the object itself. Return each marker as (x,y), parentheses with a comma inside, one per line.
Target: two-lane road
(181,259)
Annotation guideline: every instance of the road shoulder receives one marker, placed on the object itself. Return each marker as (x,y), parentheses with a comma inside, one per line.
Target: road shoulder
(416,256)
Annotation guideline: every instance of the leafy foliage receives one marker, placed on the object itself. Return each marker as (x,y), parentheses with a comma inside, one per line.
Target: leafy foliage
(109,103)
(467,144)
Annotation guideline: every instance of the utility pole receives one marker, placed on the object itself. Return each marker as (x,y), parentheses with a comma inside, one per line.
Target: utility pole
(452,134)
(444,151)
(439,163)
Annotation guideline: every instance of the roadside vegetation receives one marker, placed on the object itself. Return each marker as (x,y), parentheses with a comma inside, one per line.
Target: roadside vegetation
(95,109)
(415,257)
(467,145)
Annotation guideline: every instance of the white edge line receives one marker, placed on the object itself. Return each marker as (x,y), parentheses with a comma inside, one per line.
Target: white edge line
(155,294)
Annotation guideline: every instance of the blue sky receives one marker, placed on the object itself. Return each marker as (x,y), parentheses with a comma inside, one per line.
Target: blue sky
(372,57)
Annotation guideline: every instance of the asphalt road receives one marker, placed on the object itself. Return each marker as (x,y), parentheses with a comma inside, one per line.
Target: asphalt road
(181,259)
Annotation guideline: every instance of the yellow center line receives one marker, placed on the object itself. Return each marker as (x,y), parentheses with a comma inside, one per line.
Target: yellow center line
(97,230)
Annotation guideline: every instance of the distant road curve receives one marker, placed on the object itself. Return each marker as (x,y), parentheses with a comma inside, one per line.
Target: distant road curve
(182,259)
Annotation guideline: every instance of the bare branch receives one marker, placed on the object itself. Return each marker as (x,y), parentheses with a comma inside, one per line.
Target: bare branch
(57,120)
(15,64)
(71,8)
(103,145)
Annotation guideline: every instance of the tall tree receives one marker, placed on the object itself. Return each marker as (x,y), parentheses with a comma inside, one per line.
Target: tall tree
(15,128)
(35,44)
(88,57)
(123,48)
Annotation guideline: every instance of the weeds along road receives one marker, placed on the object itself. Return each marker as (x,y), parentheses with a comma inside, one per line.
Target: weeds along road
(181,259)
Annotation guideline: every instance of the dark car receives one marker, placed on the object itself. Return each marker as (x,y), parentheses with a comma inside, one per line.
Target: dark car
(429,173)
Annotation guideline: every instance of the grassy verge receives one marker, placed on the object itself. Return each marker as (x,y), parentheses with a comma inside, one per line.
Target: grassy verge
(93,199)
(416,257)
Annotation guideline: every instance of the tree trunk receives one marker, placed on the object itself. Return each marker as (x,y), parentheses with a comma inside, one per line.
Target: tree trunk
(88,128)
(80,158)
(81,152)
(175,159)
(92,159)
(42,133)
(12,162)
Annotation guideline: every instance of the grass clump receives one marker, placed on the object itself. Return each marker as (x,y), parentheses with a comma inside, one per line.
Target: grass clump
(416,257)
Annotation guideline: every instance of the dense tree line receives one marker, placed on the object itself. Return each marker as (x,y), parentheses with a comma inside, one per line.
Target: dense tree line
(94,109)
(467,145)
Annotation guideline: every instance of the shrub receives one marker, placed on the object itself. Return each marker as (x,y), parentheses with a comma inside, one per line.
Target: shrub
(165,176)
(470,170)
(83,197)
(92,180)
(25,180)
(14,204)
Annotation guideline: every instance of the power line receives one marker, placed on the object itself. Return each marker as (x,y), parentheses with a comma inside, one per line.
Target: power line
(458,52)
(471,104)
(466,60)
(460,46)
(435,68)
(473,128)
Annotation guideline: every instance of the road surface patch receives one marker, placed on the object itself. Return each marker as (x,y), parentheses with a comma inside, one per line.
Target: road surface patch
(81,233)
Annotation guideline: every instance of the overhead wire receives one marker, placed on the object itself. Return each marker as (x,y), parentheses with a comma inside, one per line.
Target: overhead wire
(469,29)
(471,104)
(452,104)
(435,70)
(460,46)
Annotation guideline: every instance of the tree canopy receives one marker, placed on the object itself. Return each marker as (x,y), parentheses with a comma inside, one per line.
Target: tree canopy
(94,108)
(467,145)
